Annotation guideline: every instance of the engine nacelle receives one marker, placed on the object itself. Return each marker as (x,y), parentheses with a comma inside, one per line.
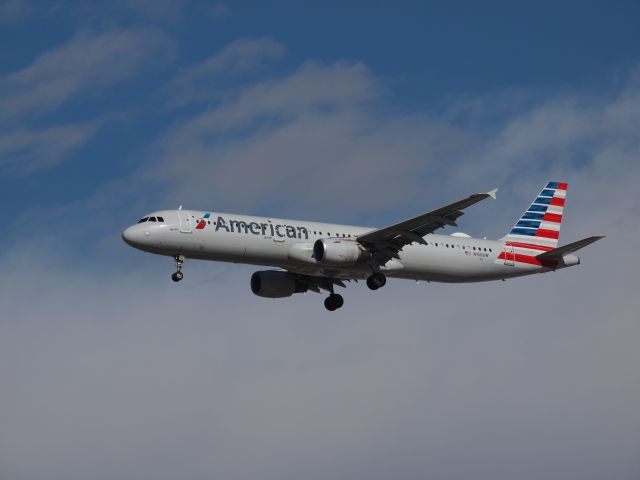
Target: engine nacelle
(275,284)
(302,252)
(338,252)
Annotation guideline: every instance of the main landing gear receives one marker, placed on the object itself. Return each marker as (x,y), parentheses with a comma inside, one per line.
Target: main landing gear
(177,275)
(376,281)
(333,302)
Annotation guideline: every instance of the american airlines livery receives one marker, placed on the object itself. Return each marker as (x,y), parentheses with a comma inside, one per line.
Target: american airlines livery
(315,256)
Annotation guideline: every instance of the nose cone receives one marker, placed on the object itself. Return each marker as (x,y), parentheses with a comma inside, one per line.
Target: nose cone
(132,236)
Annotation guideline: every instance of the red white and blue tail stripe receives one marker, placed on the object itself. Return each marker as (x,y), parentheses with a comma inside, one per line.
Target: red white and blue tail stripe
(539,227)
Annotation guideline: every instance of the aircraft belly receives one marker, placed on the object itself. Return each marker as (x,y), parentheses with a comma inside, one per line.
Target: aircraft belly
(242,248)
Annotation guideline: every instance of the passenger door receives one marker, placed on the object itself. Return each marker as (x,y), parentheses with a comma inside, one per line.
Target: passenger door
(186,224)
(509,256)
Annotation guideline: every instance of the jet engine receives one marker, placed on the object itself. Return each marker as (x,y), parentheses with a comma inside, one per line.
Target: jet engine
(338,252)
(275,284)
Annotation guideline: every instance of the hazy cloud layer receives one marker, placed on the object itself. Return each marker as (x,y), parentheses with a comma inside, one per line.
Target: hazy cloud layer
(128,375)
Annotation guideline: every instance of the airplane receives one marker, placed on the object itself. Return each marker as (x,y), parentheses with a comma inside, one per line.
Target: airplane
(320,256)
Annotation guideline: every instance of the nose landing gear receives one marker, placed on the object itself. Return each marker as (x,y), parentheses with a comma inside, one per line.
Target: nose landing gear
(376,281)
(177,275)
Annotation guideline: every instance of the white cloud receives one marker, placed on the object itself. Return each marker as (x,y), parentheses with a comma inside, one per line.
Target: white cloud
(219,10)
(319,143)
(13,10)
(79,70)
(25,150)
(241,56)
(164,10)
(320,136)
(87,63)
(287,132)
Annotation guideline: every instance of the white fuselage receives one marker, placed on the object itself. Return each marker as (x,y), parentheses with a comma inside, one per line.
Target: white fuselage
(288,244)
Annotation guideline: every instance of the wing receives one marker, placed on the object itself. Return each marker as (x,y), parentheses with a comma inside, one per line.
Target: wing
(385,243)
(315,284)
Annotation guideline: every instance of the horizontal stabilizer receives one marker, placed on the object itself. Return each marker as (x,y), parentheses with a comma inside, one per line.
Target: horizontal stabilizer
(560,252)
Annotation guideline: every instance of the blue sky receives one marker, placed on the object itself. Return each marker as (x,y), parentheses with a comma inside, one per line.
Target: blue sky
(359,112)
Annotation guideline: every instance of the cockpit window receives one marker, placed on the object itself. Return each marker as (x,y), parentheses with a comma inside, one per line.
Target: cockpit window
(160,219)
(142,220)
(152,219)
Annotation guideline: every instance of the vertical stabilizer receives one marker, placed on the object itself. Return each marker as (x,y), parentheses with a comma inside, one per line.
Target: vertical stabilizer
(540,224)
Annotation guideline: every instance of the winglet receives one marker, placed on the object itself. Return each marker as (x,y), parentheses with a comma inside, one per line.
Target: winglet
(492,193)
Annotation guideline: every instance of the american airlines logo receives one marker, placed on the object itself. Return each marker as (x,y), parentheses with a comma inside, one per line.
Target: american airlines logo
(253,228)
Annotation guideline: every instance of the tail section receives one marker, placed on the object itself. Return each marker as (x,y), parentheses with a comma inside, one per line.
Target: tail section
(540,224)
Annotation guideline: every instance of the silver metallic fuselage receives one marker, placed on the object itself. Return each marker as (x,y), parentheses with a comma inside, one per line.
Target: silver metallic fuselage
(288,244)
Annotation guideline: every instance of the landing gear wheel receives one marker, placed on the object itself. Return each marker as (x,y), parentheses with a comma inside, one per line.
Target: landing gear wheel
(333,302)
(376,281)
(177,275)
